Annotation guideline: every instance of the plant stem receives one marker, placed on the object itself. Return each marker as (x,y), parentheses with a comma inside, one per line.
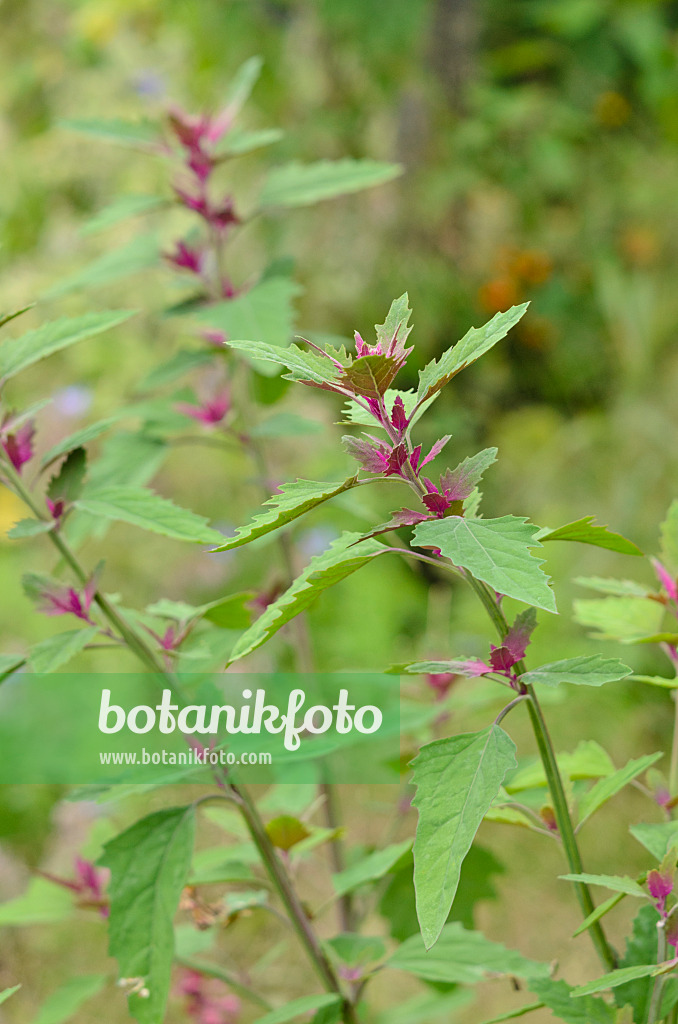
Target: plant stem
(266,850)
(655,998)
(673,770)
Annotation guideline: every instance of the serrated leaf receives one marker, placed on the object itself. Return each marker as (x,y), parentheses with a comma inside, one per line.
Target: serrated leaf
(141,507)
(77,439)
(583,531)
(461,481)
(6,993)
(473,345)
(614,979)
(30,528)
(346,555)
(617,883)
(628,619)
(297,184)
(303,366)
(67,484)
(463,957)
(658,838)
(600,911)
(239,142)
(588,670)
(606,788)
(370,868)
(496,551)
(294,500)
(616,588)
(557,995)
(122,209)
(126,133)
(587,761)
(641,948)
(396,322)
(456,780)
(459,666)
(149,864)
(370,376)
(18,353)
(67,1000)
(51,654)
(133,257)
(264,314)
(669,537)
(298,1007)
(355,413)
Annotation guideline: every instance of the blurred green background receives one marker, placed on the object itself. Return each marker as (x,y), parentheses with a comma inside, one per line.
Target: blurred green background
(539,141)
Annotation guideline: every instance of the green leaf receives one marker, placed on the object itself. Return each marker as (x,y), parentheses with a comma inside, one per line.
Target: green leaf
(608,787)
(658,838)
(641,948)
(67,484)
(149,864)
(370,869)
(127,133)
(264,314)
(521,1011)
(303,366)
(354,413)
(344,556)
(30,528)
(463,957)
(18,353)
(473,345)
(357,950)
(181,363)
(585,532)
(587,761)
(616,883)
(286,424)
(51,654)
(67,1000)
(42,903)
(557,996)
(496,551)
(614,978)
(617,588)
(5,318)
(425,1008)
(669,538)
(240,87)
(9,663)
(370,376)
(297,184)
(628,619)
(457,779)
(122,209)
(139,254)
(77,439)
(144,508)
(298,1007)
(588,670)
(6,993)
(239,142)
(600,911)
(294,500)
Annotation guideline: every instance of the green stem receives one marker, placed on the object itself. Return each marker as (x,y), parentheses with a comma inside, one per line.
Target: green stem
(266,850)
(655,998)
(673,771)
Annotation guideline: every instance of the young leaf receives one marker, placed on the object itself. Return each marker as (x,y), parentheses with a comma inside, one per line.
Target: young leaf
(149,864)
(669,537)
(641,948)
(67,484)
(6,993)
(616,883)
(371,868)
(342,558)
(470,667)
(298,184)
(354,413)
(239,142)
(51,654)
(613,979)
(80,437)
(264,314)
(461,481)
(139,254)
(473,345)
(588,670)
(628,619)
(61,1005)
(600,911)
(127,133)
(557,996)
(585,532)
(30,528)
(18,353)
(299,1007)
(658,837)
(144,508)
(9,663)
(122,209)
(240,87)
(457,779)
(496,551)
(303,366)
(463,957)
(181,363)
(608,787)
(294,500)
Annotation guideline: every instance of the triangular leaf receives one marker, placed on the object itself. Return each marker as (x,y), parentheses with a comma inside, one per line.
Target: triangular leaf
(51,654)
(588,670)
(299,184)
(347,554)
(149,865)
(457,779)
(583,531)
(144,508)
(294,500)
(67,484)
(264,314)
(496,551)
(473,345)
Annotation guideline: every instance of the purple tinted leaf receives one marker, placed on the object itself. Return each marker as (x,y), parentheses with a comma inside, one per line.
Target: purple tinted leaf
(518,636)
(459,483)
(403,517)
(436,449)
(372,457)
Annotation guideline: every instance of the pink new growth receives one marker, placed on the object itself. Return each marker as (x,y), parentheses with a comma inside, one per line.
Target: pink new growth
(209,412)
(18,444)
(68,601)
(669,584)
(203,1005)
